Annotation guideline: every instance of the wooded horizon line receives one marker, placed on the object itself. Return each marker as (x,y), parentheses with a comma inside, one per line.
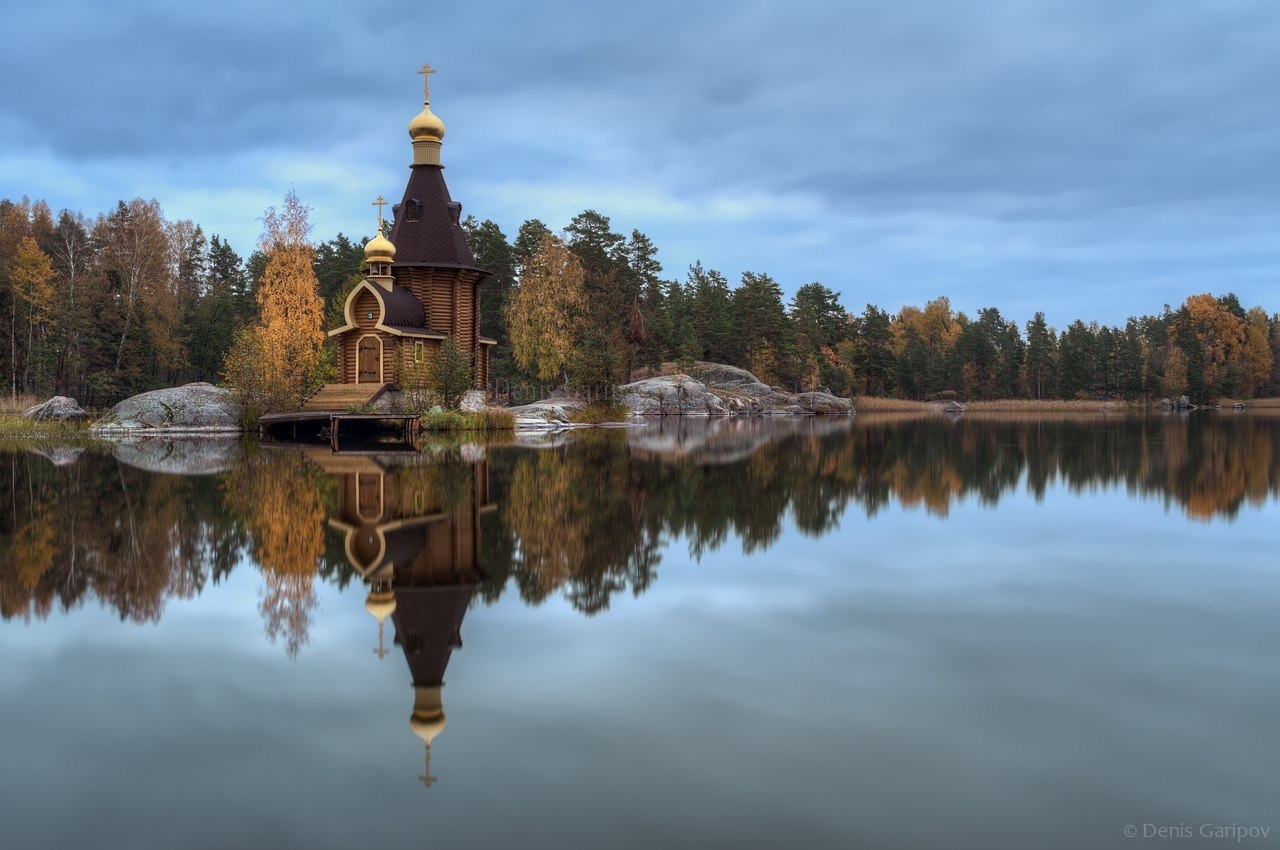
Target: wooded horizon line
(129,301)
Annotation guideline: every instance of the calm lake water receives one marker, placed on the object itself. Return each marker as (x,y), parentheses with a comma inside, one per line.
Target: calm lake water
(884,632)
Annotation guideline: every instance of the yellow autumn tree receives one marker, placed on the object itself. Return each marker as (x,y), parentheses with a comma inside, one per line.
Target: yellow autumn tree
(31,275)
(1257,351)
(281,501)
(1218,330)
(937,326)
(275,360)
(545,312)
(1174,381)
(545,509)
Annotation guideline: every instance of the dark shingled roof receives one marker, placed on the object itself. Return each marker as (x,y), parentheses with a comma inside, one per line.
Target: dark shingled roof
(403,309)
(436,238)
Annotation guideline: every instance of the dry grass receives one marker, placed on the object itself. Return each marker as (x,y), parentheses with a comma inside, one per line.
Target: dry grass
(489,419)
(16,428)
(872,404)
(599,413)
(1253,403)
(878,404)
(1015,405)
(10,406)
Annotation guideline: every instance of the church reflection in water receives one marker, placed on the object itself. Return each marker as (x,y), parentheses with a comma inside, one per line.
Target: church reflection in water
(411,529)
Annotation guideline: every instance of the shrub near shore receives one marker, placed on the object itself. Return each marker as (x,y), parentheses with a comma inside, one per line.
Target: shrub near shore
(19,428)
(489,419)
(599,413)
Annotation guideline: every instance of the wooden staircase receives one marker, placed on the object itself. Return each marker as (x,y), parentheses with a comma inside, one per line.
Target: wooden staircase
(339,398)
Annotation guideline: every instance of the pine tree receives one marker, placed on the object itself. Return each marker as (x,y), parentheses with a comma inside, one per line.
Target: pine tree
(761,326)
(872,354)
(1040,357)
(528,241)
(709,303)
(336,261)
(658,311)
(496,255)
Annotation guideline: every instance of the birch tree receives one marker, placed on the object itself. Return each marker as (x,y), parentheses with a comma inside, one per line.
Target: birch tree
(275,359)
(545,312)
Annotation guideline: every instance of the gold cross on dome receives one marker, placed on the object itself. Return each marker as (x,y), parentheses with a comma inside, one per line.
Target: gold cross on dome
(426,71)
(380,203)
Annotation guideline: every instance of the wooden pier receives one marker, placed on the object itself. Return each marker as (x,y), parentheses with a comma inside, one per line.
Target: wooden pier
(317,426)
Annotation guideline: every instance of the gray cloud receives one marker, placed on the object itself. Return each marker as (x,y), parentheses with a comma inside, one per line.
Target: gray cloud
(894,150)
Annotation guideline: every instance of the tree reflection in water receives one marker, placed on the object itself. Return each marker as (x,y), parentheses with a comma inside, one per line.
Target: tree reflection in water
(587,515)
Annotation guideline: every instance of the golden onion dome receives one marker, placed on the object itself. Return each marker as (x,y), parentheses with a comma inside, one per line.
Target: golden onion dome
(381,604)
(379,250)
(426,125)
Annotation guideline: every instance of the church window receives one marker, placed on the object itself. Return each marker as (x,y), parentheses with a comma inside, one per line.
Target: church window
(417,352)
(412,210)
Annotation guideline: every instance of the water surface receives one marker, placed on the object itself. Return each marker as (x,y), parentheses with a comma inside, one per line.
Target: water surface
(885,632)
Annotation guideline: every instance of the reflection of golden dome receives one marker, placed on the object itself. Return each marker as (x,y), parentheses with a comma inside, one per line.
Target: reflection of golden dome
(426,728)
(427,720)
(426,125)
(379,250)
(381,604)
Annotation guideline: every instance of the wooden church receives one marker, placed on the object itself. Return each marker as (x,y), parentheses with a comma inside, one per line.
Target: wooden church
(422,286)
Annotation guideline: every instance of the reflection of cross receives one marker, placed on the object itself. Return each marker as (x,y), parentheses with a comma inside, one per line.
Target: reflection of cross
(380,203)
(426,778)
(426,71)
(381,652)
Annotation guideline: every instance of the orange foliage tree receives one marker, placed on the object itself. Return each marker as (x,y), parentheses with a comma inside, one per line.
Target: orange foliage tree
(281,500)
(1219,332)
(31,275)
(1257,352)
(274,362)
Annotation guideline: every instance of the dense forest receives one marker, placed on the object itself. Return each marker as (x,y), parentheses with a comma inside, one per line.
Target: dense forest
(130,301)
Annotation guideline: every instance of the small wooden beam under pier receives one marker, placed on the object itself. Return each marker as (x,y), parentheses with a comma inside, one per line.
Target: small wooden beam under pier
(315,427)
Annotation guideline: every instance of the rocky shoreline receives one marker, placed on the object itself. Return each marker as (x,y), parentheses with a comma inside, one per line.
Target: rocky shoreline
(709,389)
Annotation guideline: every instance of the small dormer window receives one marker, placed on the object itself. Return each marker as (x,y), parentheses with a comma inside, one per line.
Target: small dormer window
(412,210)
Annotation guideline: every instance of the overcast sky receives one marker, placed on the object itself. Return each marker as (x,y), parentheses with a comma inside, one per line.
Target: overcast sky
(1088,158)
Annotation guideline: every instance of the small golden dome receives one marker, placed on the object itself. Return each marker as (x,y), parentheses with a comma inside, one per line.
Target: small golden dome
(381,604)
(379,250)
(426,125)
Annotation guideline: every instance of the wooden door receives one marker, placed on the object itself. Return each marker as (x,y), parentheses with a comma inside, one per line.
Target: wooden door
(369,361)
(369,496)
